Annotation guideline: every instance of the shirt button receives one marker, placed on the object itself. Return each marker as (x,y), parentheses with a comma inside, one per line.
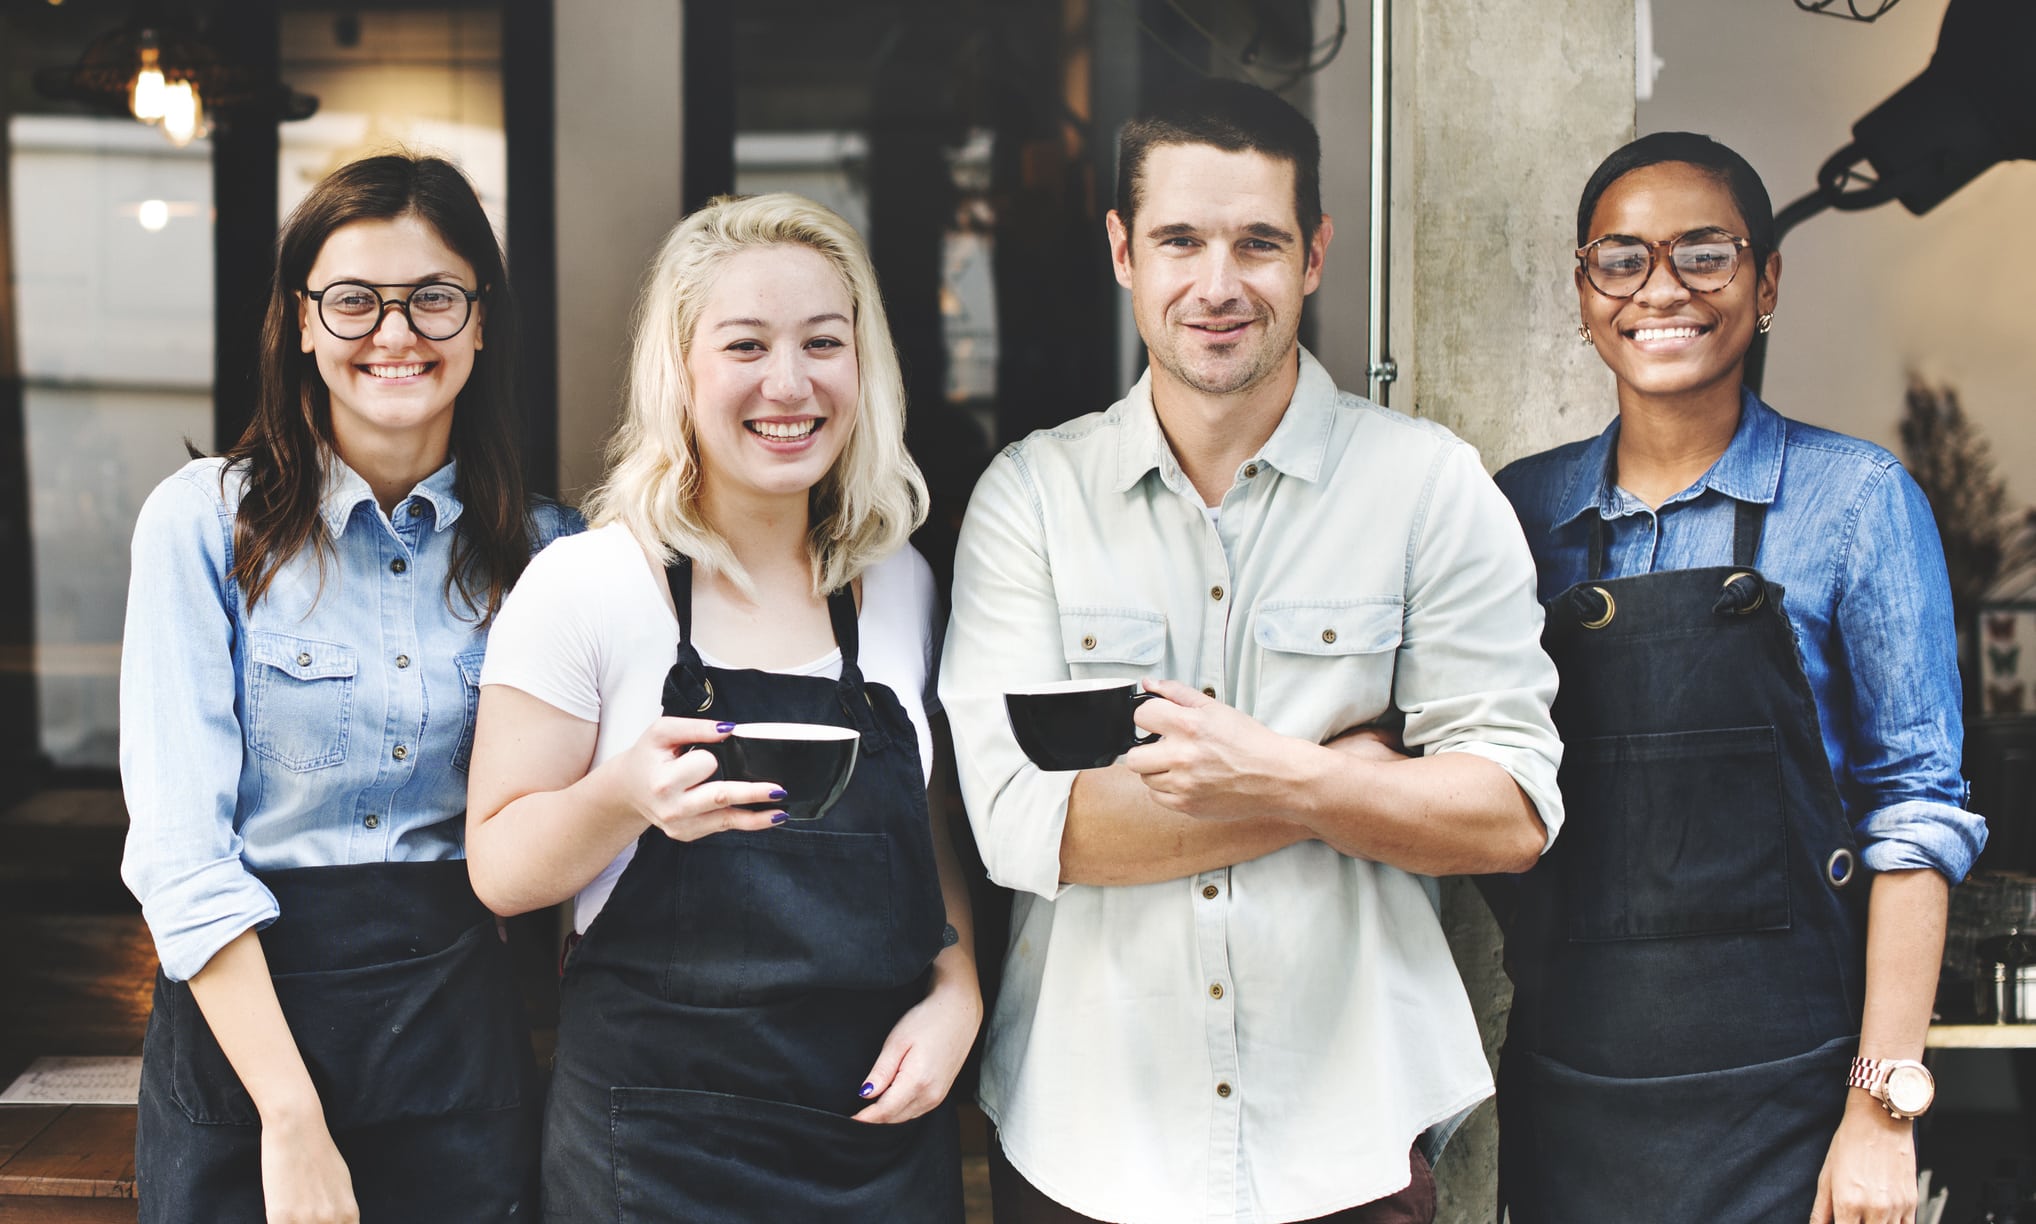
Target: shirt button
(1223,1090)
(1329,635)
(1215,592)
(1215,990)
(1209,692)
(1250,470)
(304,660)
(1211,892)
(372,821)
(1089,642)
(400,752)
(402,660)
(398,565)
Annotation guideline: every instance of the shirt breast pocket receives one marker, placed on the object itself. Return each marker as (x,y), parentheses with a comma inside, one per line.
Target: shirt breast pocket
(1111,641)
(1335,650)
(300,700)
(469,663)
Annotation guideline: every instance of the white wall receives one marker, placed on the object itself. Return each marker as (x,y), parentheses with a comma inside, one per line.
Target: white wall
(1866,297)
(618,161)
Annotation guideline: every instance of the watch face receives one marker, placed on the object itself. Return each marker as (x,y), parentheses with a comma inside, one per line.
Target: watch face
(1910,1089)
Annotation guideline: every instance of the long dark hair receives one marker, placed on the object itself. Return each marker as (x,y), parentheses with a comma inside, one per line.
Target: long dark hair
(288,444)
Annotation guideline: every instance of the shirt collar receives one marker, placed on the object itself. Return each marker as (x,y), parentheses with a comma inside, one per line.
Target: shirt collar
(1299,444)
(345,490)
(1748,471)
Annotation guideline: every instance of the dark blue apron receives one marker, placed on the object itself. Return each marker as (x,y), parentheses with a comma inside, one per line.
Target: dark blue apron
(398,991)
(1689,958)
(725,1006)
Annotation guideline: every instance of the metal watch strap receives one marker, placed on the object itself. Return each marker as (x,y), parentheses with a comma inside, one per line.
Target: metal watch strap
(1875,1075)
(1868,1073)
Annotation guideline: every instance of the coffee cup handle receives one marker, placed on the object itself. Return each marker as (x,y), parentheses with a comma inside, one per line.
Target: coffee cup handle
(1138,699)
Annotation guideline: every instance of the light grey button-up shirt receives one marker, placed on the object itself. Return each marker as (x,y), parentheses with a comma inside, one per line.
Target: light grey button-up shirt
(1262,1042)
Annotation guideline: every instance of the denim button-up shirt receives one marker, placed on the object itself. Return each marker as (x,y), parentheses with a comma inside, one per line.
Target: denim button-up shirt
(329,725)
(1850,537)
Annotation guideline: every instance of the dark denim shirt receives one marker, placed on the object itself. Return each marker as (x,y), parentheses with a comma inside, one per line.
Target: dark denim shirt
(1850,537)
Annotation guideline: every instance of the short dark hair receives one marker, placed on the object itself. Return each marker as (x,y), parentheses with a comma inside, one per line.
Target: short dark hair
(1749,194)
(1233,116)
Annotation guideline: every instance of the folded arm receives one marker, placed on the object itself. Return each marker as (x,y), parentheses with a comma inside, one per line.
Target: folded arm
(1038,831)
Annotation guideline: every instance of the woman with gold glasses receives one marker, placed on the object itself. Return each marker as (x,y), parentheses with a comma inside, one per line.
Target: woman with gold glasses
(1724,968)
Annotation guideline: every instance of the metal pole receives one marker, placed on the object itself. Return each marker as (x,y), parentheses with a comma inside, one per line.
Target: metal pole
(1382,369)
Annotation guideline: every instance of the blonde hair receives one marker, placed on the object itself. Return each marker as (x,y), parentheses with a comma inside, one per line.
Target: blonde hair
(870,500)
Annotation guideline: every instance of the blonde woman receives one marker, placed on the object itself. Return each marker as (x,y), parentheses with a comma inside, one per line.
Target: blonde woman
(760,1020)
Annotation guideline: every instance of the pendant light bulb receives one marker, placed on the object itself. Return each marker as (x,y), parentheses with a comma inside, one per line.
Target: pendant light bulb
(182,112)
(147,99)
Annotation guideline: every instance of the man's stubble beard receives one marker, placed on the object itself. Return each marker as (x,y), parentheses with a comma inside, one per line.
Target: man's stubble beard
(1270,355)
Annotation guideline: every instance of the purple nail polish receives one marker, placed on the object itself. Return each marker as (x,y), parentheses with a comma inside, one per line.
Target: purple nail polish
(866,1090)
(779,817)
(777,794)
(724,728)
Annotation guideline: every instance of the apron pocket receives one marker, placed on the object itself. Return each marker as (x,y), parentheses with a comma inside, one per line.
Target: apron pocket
(1677,834)
(418,1038)
(686,1155)
(774,912)
(1741,1146)
(202,1083)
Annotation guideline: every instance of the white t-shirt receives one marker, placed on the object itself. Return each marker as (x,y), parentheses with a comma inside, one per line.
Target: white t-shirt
(587,630)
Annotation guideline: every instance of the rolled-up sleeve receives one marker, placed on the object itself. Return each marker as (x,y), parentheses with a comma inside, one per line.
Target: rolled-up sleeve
(1895,638)
(1471,675)
(1004,632)
(180,733)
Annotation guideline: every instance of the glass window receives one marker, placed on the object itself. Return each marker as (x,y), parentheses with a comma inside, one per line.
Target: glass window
(428,80)
(111,238)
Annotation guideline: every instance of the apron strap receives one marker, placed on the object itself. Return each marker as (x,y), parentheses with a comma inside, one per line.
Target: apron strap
(841,612)
(1749,520)
(679,579)
(855,700)
(688,693)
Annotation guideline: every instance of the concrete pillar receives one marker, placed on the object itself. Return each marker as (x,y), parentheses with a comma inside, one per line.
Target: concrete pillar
(618,159)
(1500,113)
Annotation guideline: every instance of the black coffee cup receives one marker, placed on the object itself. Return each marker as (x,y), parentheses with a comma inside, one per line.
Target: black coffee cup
(810,762)
(1077,724)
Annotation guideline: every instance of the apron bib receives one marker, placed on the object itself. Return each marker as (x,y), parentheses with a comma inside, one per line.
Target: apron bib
(724,1007)
(1689,958)
(399,994)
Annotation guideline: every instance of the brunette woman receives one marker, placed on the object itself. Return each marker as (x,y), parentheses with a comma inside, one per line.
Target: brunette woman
(336,1035)
(1724,968)
(761,1020)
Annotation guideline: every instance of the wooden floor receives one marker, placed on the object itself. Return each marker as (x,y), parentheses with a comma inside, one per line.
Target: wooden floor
(79,970)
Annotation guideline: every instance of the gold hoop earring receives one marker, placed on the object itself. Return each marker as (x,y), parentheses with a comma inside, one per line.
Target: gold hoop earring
(1583,333)
(1764,322)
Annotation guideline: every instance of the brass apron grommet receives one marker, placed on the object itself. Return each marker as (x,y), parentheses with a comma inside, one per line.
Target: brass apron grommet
(1611,610)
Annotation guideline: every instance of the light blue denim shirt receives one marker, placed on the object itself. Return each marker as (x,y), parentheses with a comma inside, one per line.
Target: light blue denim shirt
(329,725)
(1850,538)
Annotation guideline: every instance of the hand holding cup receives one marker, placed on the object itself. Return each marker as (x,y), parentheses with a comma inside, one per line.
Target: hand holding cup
(809,763)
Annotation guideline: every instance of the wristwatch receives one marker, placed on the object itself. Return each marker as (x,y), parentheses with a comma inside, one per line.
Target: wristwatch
(1903,1086)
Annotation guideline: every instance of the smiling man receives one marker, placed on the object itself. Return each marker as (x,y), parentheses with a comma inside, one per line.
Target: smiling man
(1228,995)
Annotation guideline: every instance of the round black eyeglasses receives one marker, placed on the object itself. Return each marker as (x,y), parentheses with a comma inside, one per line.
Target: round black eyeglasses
(435,310)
